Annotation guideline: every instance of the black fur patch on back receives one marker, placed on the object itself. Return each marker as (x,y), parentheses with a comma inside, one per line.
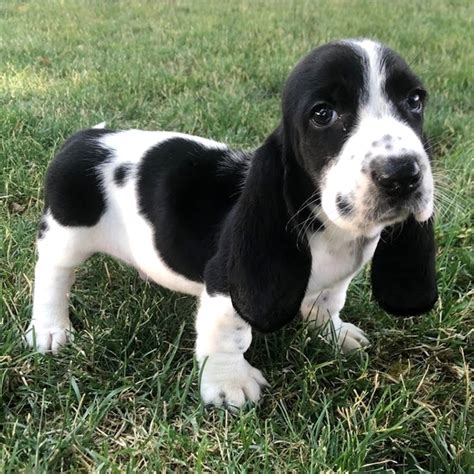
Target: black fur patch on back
(73,191)
(121,173)
(185,190)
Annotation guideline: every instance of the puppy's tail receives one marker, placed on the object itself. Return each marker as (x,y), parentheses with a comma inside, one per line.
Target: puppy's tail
(100,125)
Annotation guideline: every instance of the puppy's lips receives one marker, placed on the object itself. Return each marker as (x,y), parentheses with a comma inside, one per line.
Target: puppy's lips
(393,217)
(422,215)
(421,208)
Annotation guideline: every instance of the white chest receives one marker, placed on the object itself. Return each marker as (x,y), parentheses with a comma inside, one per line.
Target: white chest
(337,257)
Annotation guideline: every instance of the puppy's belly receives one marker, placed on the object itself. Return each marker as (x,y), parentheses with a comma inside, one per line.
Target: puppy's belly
(155,269)
(164,276)
(132,242)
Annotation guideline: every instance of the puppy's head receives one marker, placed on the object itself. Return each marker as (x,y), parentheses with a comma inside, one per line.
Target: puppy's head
(353,112)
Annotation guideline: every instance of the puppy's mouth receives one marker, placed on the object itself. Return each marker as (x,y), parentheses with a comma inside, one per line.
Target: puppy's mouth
(367,215)
(391,211)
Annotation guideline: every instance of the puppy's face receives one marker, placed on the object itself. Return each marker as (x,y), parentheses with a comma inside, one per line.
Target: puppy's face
(354,111)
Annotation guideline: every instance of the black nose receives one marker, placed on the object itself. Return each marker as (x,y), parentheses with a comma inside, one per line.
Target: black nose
(397,176)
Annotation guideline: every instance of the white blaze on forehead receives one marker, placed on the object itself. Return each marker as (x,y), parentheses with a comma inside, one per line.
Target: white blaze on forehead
(375,101)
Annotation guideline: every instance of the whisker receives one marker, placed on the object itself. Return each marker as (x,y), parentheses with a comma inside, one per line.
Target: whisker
(305,204)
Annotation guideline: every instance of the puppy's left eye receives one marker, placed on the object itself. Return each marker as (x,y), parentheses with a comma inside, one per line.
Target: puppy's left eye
(323,115)
(415,101)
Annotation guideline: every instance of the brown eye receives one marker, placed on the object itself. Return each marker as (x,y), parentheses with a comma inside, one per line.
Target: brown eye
(323,115)
(415,101)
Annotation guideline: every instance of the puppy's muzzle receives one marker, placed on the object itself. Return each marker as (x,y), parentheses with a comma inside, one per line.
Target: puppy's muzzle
(397,177)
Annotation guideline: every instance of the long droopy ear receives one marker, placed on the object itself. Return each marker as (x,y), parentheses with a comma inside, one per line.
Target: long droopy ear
(403,269)
(268,270)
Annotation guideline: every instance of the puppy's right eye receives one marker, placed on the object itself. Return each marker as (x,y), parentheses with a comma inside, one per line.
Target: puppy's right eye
(323,115)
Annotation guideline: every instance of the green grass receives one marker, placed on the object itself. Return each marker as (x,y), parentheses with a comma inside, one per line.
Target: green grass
(124,395)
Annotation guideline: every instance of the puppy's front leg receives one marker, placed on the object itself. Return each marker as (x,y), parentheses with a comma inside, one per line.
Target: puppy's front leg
(227,379)
(323,311)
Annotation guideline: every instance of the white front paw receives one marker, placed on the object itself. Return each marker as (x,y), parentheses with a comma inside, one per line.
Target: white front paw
(350,337)
(48,338)
(229,380)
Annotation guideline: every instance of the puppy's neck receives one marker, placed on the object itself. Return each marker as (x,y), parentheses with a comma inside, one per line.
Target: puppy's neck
(335,232)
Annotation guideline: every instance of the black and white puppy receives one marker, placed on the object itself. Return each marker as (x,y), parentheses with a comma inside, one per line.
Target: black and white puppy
(260,237)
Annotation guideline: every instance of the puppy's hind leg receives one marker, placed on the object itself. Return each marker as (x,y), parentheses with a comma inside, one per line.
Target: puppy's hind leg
(60,250)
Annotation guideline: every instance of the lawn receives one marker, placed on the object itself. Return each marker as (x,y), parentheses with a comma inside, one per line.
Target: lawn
(124,396)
